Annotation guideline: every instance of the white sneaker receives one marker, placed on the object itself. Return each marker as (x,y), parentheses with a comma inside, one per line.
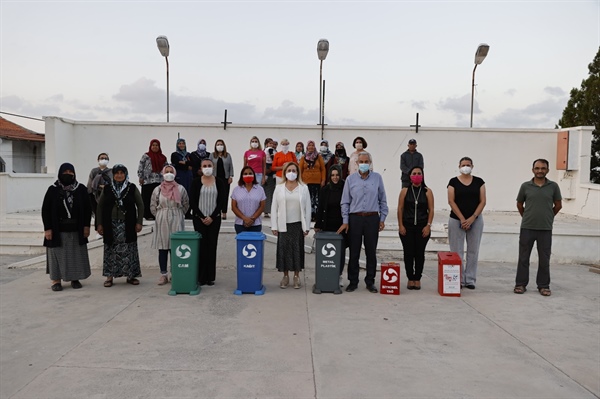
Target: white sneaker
(341,281)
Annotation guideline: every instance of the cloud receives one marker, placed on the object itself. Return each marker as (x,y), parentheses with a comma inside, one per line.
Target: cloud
(458,105)
(419,105)
(511,92)
(287,112)
(542,114)
(555,91)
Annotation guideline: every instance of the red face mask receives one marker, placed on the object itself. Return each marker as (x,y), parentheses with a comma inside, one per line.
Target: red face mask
(248,178)
(416,179)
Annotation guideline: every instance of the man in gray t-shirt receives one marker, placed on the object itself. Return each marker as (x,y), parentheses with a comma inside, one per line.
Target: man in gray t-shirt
(538,201)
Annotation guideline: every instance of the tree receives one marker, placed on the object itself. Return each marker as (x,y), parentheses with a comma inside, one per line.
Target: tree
(583,109)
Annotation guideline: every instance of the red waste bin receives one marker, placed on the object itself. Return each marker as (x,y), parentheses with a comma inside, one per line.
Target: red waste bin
(449,270)
(390,279)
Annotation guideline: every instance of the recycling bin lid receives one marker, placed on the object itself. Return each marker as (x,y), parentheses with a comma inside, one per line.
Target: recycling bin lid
(328,235)
(183,235)
(251,236)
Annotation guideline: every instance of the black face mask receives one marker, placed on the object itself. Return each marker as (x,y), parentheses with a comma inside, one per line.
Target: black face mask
(66,179)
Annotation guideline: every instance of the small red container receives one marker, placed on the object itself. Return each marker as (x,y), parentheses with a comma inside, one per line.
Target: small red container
(449,273)
(390,279)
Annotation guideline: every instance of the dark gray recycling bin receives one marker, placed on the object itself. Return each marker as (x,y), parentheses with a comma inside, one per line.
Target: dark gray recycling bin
(329,247)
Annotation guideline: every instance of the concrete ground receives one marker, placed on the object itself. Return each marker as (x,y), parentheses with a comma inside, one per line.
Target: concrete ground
(138,342)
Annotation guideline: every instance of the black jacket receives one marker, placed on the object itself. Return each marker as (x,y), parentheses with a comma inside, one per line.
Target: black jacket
(195,196)
(52,211)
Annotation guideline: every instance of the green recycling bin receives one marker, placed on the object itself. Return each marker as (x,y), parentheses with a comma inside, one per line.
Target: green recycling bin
(185,257)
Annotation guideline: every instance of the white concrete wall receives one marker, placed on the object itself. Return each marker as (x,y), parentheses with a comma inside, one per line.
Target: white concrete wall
(6,152)
(502,157)
(22,192)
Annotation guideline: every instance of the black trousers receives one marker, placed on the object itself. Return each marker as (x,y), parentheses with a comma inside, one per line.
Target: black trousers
(207,267)
(363,229)
(147,197)
(527,238)
(413,245)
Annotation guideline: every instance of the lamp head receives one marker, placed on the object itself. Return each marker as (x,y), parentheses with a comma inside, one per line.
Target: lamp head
(322,49)
(481,53)
(163,45)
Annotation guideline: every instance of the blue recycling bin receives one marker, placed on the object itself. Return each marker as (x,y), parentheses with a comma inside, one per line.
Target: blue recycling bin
(250,258)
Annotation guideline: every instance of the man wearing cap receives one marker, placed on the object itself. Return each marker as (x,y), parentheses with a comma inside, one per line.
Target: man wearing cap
(408,160)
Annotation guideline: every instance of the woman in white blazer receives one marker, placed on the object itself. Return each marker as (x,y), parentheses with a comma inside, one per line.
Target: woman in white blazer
(290,222)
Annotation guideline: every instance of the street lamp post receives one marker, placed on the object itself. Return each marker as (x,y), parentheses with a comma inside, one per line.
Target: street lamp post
(322,50)
(163,46)
(480,54)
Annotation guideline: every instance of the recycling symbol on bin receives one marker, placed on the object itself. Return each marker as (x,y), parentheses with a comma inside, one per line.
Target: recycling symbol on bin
(390,275)
(183,251)
(328,250)
(249,251)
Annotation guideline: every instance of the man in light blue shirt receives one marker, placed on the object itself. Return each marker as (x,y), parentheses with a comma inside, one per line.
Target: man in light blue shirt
(364,209)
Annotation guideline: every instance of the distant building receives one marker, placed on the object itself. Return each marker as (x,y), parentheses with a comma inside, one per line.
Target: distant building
(21,150)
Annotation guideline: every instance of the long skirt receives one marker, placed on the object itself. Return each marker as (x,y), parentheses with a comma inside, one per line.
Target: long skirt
(290,248)
(121,258)
(70,261)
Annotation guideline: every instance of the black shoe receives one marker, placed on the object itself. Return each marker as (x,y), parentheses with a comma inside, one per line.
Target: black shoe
(56,287)
(372,289)
(470,286)
(76,284)
(210,283)
(351,288)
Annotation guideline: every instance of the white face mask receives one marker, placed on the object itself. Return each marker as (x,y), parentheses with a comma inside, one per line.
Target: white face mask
(324,148)
(220,148)
(358,146)
(103,162)
(201,147)
(254,145)
(169,176)
(466,170)
(285,148)
(291,176)
(207,171)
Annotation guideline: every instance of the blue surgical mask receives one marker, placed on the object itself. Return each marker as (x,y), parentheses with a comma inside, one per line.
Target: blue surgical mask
(363,167)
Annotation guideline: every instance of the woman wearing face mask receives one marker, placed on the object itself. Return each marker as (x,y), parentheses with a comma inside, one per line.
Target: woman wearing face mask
(256,159)
(207,197)
(341,158)
(66,213)
(466,197)
(223,169)
(415,215)
(360,144)
(99,177)
(248,202)
(328,156)
(120,216)
(169,204)
(290,223)
(180,160)
(314,174)
(149,175)
(299,151)
(329,212)
(197,157)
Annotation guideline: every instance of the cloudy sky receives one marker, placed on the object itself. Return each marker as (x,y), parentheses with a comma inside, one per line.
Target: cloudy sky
(98,60)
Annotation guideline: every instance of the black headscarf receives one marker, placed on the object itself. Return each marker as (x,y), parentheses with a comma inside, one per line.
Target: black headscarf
(120,189)
(340,184)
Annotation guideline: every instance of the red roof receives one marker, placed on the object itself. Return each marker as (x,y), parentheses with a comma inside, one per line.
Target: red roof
(12,131)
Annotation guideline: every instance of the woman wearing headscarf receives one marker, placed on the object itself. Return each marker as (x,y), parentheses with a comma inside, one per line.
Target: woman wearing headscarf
(169,204)
(313,172)
(329,211)
(290,222)
(207,196)
(197,157)
(99,177)
(66,214)
(180,159)
(120,215)
(341,158)
(327,155)
(415,215)
(299,151)
(149,174)
(223,169)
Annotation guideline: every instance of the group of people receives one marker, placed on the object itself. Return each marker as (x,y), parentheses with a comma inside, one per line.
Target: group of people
(337,191)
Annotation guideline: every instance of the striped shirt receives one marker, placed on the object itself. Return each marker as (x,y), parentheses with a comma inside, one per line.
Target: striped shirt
(248,202)
(207,201)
